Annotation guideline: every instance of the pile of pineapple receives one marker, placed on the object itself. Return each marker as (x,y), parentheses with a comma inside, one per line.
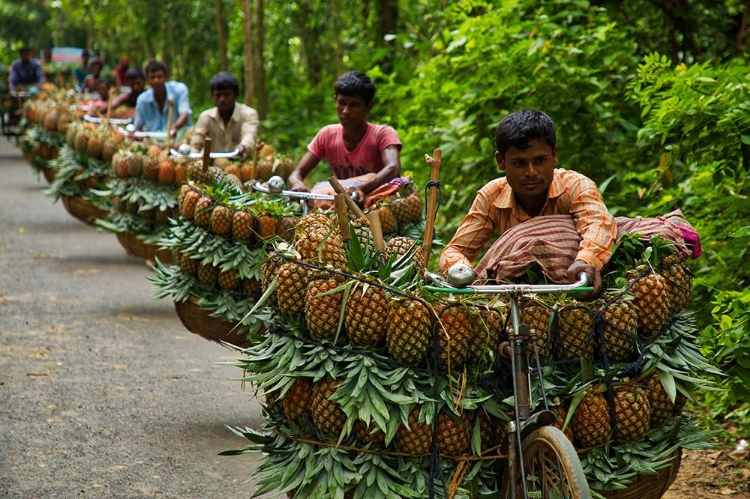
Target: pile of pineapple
(217,243)
(47,117)
(369,379)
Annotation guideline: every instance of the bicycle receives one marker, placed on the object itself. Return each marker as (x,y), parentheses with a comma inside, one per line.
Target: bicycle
(541,462)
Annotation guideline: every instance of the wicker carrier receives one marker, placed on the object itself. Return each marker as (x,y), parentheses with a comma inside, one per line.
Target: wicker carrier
(648,486)
(137,248)
(82,209)
(199,321)
(49,174)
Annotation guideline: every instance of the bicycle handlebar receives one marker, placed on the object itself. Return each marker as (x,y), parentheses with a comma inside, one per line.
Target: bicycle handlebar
(112,121)
(153,135)
(199,155)
(509,289)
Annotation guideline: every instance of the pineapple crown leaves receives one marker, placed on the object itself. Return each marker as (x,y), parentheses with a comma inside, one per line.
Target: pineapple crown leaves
(360,260)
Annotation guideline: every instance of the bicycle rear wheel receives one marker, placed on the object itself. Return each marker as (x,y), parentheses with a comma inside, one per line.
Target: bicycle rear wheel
(553,470)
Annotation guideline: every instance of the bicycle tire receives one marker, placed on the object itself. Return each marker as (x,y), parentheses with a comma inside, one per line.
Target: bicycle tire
(553,470)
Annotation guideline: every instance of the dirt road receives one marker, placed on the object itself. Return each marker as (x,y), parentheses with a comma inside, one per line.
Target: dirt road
(103,392)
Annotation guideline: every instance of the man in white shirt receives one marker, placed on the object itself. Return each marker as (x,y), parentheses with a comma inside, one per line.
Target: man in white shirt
(230,124)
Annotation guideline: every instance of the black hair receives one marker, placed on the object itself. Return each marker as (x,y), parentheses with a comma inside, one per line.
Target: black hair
(517,129)
(154,66)
(225,81)
(355,83)
(133,73)
(85,53)
(97,62)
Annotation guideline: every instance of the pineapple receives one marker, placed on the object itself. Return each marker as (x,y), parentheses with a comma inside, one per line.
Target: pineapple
(387,219)
(188,265)
(221,220)
(296,401)
(191,202)
(266,226)
(268,271)
(265,169)
(327,416)
(151,169)
(251,287)
(453,336)
(409,331)
(291,288)
(233,170)
(203,209)
(135,165)
(161,216)
(243,224)
(632,413)
(285,228)
(679,282)
(366,316)
(590,423)
(574,328)
(208,274)
(180,174)
(619,330)
(166,173)
(651,300)
(415,440)
(229,279)
(82,140)
(153,151)
(401,210)
(401,245)
(452,435)
(321,246)
(561,411)
(368,434)
(492,431)
(322,312)
(538,316)
(95,146)
(662,407)
(109,148)
(415,215)
(485,334)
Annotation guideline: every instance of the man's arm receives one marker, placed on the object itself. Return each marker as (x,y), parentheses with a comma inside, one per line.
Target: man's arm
(182,106)
(475,229)
(40,78)
(391,170)
(307,164)
(12,79)
(200,131)
(248,132)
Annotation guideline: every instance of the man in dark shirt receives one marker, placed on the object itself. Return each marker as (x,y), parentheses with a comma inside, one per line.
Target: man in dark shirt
(25,72)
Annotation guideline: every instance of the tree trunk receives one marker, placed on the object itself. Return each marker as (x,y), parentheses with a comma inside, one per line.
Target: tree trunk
(221,34)
(339,54)
(387,22)
(247,24)
(258,68)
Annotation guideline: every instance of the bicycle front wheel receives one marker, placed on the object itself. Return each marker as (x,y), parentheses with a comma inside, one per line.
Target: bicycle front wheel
(553,470)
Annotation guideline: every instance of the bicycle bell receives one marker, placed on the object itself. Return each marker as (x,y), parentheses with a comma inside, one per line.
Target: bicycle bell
(184,149)
(130,128)
(275,184)
(460,275)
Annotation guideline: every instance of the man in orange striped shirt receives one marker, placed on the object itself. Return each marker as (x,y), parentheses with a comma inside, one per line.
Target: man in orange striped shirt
(527,153)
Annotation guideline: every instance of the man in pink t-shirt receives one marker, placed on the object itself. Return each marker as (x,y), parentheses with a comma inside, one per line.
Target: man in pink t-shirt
(354,147)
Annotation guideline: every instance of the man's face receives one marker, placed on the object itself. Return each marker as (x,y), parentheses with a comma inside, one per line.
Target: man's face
(529,171)
(96,70)
(224,99)
(25,55)
(352,111)
(157,79)
(136,84)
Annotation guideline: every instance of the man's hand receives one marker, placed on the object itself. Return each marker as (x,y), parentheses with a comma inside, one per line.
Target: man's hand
(299,187)
(595,278)
(357,195)
(242,153)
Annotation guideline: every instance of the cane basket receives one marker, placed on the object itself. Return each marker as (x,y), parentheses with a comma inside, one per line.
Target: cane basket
(199,321)
(648,486)
(49,174)
(82,209)
(137,248)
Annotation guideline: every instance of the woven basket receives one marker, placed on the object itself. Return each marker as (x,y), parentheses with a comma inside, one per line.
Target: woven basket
(648,486)
(49,174)
(197,320)
(137,248)
(82,209)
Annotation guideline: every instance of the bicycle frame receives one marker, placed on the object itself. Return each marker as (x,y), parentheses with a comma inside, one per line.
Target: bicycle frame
(518,334)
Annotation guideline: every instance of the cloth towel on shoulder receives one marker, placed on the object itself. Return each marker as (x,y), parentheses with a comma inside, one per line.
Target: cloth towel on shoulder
(552,243)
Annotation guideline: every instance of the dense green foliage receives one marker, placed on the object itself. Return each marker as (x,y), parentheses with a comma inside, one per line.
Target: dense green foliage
(650,98)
